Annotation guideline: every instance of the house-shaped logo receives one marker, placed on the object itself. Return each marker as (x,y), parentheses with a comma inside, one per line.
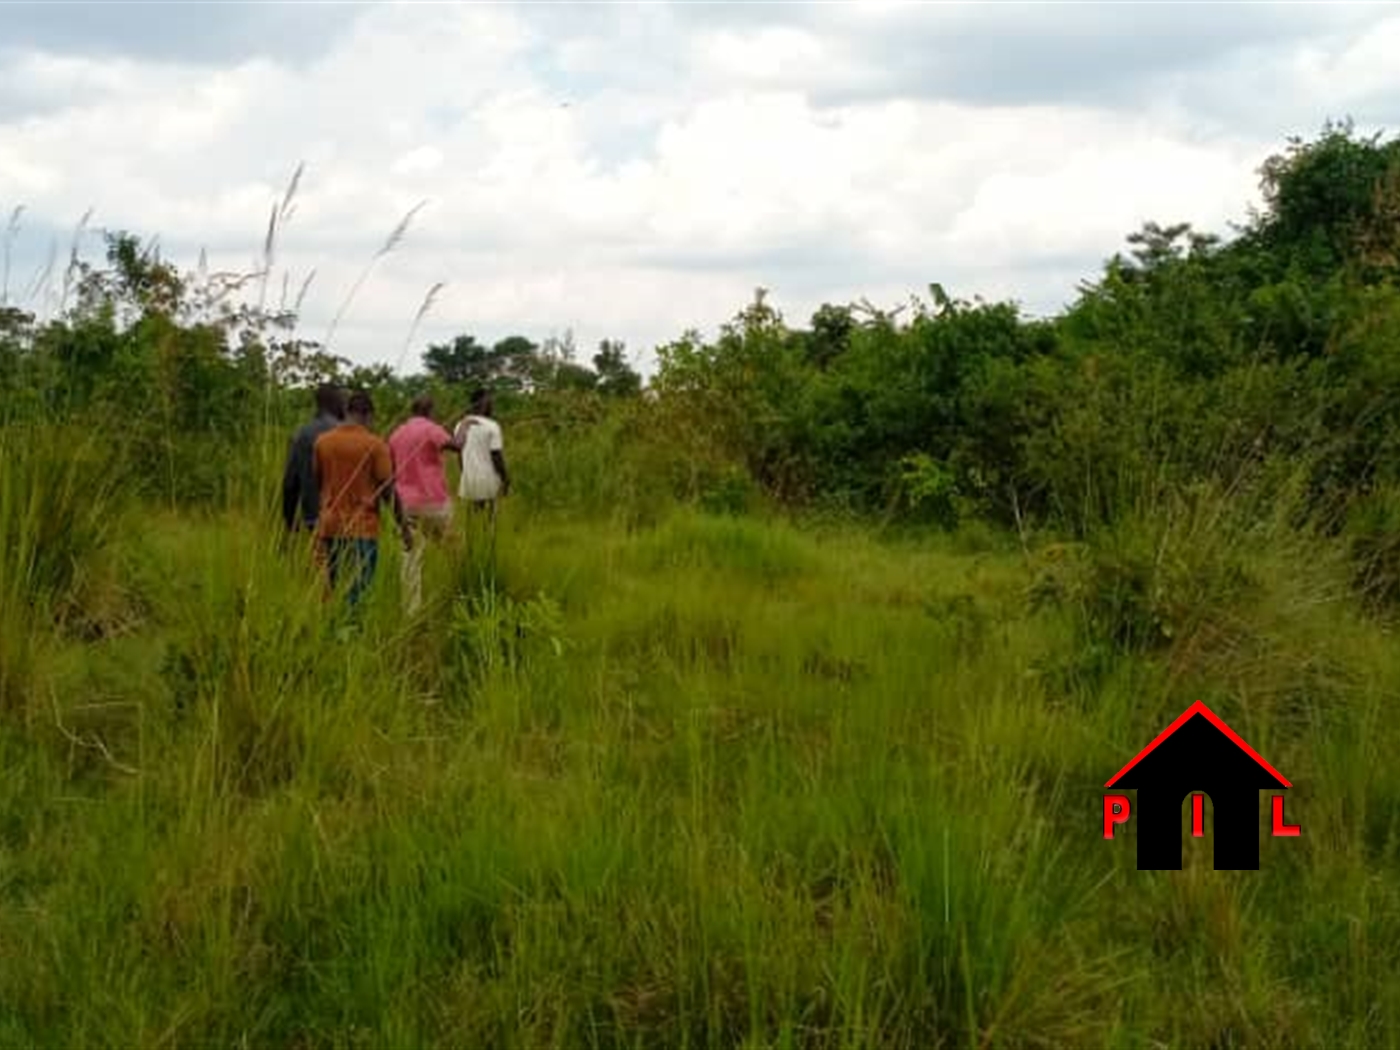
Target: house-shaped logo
(1196,755)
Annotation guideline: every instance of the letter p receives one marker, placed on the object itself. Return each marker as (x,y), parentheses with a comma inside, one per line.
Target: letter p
(1115,811)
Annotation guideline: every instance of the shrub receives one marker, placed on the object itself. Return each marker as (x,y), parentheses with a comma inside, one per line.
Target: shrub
(1373,540)
(62,492)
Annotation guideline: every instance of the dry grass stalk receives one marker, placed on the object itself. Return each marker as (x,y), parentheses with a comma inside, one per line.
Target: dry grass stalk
(11,230)
(278,218)
(394,239)
(428,301)
(42,285)
(301,295)
(73,264)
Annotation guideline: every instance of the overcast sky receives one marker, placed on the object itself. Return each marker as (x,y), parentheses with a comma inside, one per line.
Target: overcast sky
(633,170)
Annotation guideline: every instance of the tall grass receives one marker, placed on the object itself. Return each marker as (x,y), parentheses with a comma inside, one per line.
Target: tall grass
(715,781)
(61,503)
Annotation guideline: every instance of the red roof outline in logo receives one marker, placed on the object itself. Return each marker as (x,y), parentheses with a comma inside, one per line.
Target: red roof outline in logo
(1199,708)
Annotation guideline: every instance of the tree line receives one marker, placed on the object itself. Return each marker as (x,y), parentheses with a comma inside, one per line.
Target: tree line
(1190,358)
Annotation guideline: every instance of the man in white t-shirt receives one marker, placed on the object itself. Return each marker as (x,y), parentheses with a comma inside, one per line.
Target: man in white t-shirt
(484,476)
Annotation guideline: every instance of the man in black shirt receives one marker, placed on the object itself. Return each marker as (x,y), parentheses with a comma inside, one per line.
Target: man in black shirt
(301,498)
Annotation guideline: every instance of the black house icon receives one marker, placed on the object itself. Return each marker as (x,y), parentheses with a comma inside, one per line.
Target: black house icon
(1198,752)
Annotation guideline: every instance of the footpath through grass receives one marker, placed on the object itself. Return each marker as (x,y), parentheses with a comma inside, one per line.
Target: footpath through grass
(720,782)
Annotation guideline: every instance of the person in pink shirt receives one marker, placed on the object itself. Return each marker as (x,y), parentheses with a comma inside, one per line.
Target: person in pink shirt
(421,484)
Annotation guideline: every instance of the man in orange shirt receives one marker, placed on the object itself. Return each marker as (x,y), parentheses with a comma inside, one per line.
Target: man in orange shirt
(354,473)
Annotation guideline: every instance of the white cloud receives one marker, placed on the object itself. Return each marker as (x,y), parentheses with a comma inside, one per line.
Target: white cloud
(1092,181)
(768,54)
(640,170)
(422,161)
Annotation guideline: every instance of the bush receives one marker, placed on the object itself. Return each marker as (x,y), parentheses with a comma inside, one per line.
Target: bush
(1373,539)
(62,493)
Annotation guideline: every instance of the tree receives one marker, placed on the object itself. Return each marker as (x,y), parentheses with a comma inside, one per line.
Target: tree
(830,335)
(1326,200)
(463,361)
(566,375)
(370,377)
(515,364)
(304,363)
(615,376)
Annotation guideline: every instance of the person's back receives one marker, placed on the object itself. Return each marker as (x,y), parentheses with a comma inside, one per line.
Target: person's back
(301,498)
(353,466)
(480,436)
(421,487)
(355,471)
(417,447)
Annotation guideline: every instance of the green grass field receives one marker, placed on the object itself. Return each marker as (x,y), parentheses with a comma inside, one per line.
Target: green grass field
(715,781)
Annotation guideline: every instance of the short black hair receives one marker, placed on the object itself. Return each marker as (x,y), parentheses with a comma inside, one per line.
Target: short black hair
(480,396)
(360,403)
(423,405)
(330,399)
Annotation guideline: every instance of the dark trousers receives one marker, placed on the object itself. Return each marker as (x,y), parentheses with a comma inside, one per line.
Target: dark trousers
(352,559)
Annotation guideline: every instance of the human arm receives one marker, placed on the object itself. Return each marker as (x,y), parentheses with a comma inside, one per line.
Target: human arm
(459,432)
(384,475)
(401,519)
(291,487)
(498,460)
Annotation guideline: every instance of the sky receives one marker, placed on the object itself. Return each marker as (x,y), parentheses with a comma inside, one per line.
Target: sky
(633,170)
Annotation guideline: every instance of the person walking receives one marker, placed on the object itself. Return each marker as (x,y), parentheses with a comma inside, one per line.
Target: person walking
(354,471)
(301,500)
(420,483)
(484,475)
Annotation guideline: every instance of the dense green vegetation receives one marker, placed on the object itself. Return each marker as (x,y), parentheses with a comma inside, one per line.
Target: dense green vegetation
(778,711)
